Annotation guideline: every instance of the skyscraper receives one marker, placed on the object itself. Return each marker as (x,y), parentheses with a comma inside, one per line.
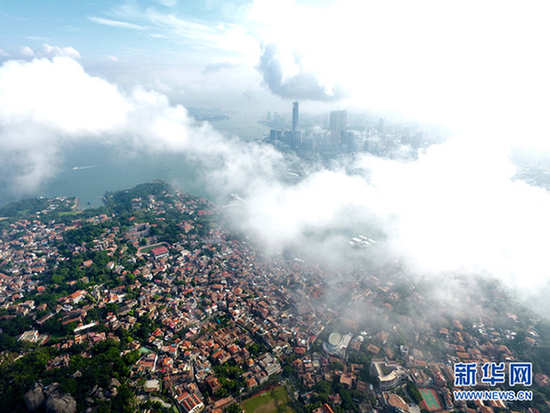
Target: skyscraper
(294,116)
(338,125)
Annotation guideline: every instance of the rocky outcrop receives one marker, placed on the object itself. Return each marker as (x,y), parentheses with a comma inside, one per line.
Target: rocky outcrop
(35,397)
(60,403)
(52,388)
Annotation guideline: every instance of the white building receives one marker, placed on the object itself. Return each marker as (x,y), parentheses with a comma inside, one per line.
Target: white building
(388,373)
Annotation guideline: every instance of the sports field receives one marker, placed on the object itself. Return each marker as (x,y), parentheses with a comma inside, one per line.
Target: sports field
(148,248)
(431,399)
(272,401)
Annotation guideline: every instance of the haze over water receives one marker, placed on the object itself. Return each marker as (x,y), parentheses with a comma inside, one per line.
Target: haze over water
(89,170)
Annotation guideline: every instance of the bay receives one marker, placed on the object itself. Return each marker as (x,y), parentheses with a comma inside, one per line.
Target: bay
(88,170)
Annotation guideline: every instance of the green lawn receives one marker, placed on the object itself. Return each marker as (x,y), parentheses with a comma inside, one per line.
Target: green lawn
(74,212)
(272,401)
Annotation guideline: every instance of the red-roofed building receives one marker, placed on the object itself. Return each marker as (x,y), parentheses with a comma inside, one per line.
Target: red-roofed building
(190,402)
(160,252)
(213,384)
(300,350)
(76,297)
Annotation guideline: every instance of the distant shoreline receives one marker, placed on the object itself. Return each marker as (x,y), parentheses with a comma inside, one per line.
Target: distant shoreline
(211,118)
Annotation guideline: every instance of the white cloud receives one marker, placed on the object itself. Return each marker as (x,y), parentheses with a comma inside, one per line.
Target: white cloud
(455,209)
(456,63)
(47,50)
(45,104)
(116,23)
(222,36)
(58,94)
(26,51)
(217,39)
(220,65)
(50,51)
(286,74)
(161,87)
(3,53)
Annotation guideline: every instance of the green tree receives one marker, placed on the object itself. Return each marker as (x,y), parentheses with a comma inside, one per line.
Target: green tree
(233,408)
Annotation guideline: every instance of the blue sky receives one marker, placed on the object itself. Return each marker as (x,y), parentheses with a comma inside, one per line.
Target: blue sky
(169,45)
(424,60)
(100,27)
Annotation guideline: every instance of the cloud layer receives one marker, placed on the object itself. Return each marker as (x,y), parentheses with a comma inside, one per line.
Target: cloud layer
(456,209)
(285,75)
(47,104)
(462,64)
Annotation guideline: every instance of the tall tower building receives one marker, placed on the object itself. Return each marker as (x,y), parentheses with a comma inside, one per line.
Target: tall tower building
(294,116)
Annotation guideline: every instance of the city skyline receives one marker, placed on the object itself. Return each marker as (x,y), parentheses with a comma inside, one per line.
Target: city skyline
(243,54)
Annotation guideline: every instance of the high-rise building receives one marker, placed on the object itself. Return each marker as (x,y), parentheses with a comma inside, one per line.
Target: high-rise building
(294,116)
(288,137)
(298,138)
(275,135)
(338,125)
